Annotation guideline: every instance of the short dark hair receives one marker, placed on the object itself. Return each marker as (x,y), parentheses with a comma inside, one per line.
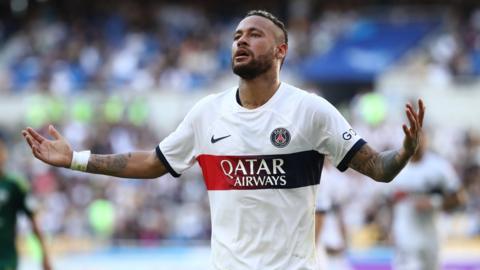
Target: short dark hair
(272,18)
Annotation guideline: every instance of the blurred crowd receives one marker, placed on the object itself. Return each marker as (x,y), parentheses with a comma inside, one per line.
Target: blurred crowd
(454,54)
(154,45)
(105,47)
(66,48)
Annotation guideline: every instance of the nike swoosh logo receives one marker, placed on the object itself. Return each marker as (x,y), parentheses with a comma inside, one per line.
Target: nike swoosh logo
(214,140)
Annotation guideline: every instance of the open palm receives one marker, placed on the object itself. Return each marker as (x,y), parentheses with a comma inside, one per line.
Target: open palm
(56,152)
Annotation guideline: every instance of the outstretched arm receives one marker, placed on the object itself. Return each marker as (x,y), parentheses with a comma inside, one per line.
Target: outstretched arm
(58,152)
(384,166)
(130,165)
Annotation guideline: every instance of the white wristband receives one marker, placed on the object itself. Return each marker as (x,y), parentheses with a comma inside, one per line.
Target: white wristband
(80,160)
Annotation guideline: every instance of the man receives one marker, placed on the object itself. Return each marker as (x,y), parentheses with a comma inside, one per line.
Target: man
(427,185)
(260,146)
(13,200)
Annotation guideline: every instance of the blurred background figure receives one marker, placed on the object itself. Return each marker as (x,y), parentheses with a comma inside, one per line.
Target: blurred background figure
(14,199)
(114,76)
(427,185)
(334,194)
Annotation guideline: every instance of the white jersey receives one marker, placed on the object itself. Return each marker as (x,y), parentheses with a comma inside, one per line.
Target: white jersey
(261,168)
(431,176)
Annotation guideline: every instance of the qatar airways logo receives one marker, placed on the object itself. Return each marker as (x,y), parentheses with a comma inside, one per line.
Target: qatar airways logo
(255,172)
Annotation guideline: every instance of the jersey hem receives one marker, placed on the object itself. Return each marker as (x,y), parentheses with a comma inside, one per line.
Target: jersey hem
(343,165)
(165,162)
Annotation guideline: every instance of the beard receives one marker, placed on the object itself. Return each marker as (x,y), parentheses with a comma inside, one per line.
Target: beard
(256,67)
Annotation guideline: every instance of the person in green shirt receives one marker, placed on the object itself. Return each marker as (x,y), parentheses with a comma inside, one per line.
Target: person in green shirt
(13,200)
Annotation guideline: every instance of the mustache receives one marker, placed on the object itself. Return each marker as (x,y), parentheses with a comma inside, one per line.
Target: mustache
(241,50)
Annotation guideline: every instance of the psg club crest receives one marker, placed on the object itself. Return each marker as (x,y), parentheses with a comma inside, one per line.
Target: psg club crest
(280,137)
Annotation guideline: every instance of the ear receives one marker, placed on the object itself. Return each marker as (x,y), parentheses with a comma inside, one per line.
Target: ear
(281,51)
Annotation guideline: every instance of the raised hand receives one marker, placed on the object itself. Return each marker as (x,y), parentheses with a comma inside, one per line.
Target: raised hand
(412,133)
(56,152)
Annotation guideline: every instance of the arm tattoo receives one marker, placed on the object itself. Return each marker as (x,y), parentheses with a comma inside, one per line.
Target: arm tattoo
(382,167)
(389,165)
(363,160)
(108,164)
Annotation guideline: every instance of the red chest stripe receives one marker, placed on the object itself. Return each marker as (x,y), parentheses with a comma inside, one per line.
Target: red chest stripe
(261,172)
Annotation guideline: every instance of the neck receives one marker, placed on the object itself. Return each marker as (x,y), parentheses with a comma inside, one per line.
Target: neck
(256,92)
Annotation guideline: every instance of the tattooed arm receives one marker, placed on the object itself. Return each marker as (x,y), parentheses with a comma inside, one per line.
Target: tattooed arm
(58,152)
(384,166)
(130,165)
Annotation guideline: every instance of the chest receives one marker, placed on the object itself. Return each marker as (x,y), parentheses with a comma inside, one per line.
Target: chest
(255,133)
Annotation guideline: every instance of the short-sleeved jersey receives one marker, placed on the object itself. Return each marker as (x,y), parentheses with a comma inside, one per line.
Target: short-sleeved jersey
(261,168)
(12,201)
(431,176)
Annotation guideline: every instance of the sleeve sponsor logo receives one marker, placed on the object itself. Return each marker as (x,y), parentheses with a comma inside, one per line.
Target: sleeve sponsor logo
(347,135)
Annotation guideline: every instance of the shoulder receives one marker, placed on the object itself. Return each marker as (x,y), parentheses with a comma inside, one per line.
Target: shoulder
(209,104)
(308,100)
(301,98)
(316,106)
(292,92)
(315,111)
(314,102)
(18,182)
(211,101)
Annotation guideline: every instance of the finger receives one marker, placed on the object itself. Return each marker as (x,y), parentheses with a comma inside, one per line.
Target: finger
(39,138)
(54,133)
(406,131)
(32,142)
(421,112)
(29,141)
(412,120)
(25,135)
(409,106)
(412,111)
